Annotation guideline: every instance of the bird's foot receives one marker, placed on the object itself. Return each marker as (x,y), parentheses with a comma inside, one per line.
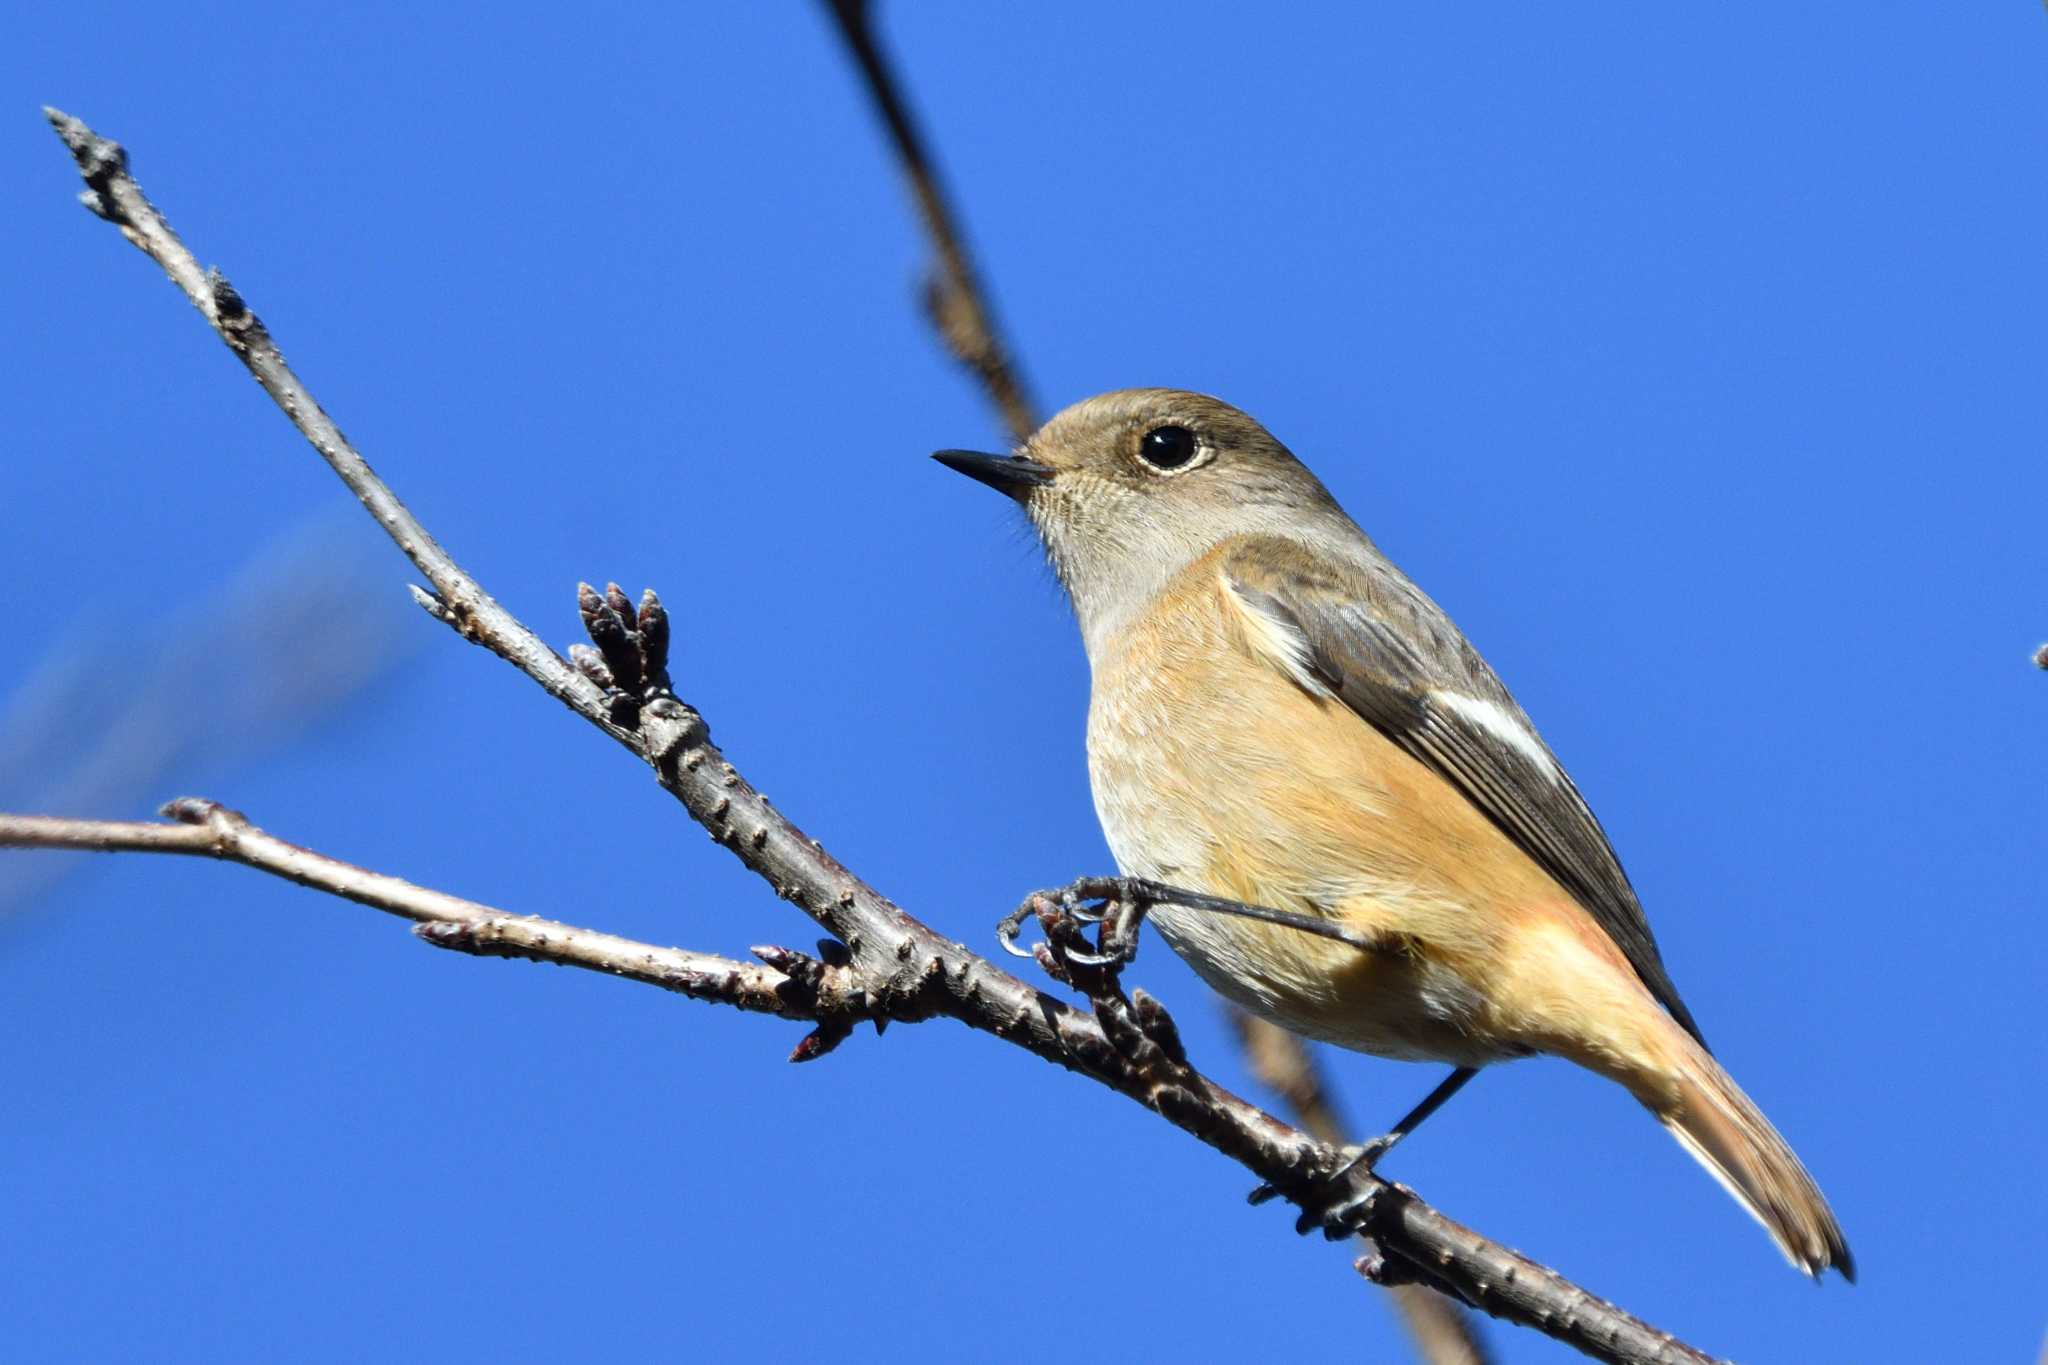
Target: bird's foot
(1140,1033)
(1119,906)
(1115,905)
(1339,1198)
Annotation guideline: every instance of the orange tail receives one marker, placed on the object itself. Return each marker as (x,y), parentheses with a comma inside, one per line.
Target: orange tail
(1727,1134)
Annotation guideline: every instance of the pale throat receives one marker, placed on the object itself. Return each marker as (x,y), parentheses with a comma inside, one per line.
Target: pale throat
(1114,574)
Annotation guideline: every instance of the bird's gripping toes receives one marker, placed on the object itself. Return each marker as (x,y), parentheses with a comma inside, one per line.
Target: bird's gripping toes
(1280,718)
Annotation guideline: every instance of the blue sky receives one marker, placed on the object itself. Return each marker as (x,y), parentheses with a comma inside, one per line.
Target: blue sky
(1692,358)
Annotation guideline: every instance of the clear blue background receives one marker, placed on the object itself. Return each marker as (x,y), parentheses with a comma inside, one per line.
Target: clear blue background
(1692,358)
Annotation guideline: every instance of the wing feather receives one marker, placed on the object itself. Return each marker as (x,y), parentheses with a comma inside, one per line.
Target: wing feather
(1391,654)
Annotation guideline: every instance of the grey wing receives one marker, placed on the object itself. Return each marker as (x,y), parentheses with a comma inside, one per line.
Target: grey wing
(1393,657)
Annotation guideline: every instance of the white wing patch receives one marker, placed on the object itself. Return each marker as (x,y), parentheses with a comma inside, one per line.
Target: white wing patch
(1280,641)
(1285,646)
(1496,721)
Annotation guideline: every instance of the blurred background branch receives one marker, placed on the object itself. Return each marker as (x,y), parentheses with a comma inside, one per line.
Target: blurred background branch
(953,297)
(303,629)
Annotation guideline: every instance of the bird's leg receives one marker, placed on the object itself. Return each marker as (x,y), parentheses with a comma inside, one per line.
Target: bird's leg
(1323,1204)
(1367,1153)
(1119,905)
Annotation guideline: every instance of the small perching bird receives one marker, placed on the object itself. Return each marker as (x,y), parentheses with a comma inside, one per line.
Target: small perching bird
(1280,717)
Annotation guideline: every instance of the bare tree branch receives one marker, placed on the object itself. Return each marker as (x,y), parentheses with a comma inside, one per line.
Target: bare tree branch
(795,986)
(901,967)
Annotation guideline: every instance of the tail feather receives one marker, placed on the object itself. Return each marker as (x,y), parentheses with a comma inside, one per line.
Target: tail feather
(1726,1133)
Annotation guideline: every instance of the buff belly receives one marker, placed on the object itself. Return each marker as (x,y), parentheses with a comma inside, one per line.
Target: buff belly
(1218,773)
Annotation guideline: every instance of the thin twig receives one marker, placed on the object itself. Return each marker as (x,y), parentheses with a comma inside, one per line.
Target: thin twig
(113,194)
(913,970)
(207,829)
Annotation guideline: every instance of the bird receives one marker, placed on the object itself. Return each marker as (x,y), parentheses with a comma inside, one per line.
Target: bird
(1279,717)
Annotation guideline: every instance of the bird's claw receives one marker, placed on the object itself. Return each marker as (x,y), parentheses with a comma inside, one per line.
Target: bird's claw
(1012,924)
(1090,913)
(1338,1220)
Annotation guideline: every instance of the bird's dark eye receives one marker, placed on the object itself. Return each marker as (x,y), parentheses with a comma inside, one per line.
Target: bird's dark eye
(1167,447)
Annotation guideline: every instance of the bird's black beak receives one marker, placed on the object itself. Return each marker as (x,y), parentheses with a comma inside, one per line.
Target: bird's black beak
(1015,475)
